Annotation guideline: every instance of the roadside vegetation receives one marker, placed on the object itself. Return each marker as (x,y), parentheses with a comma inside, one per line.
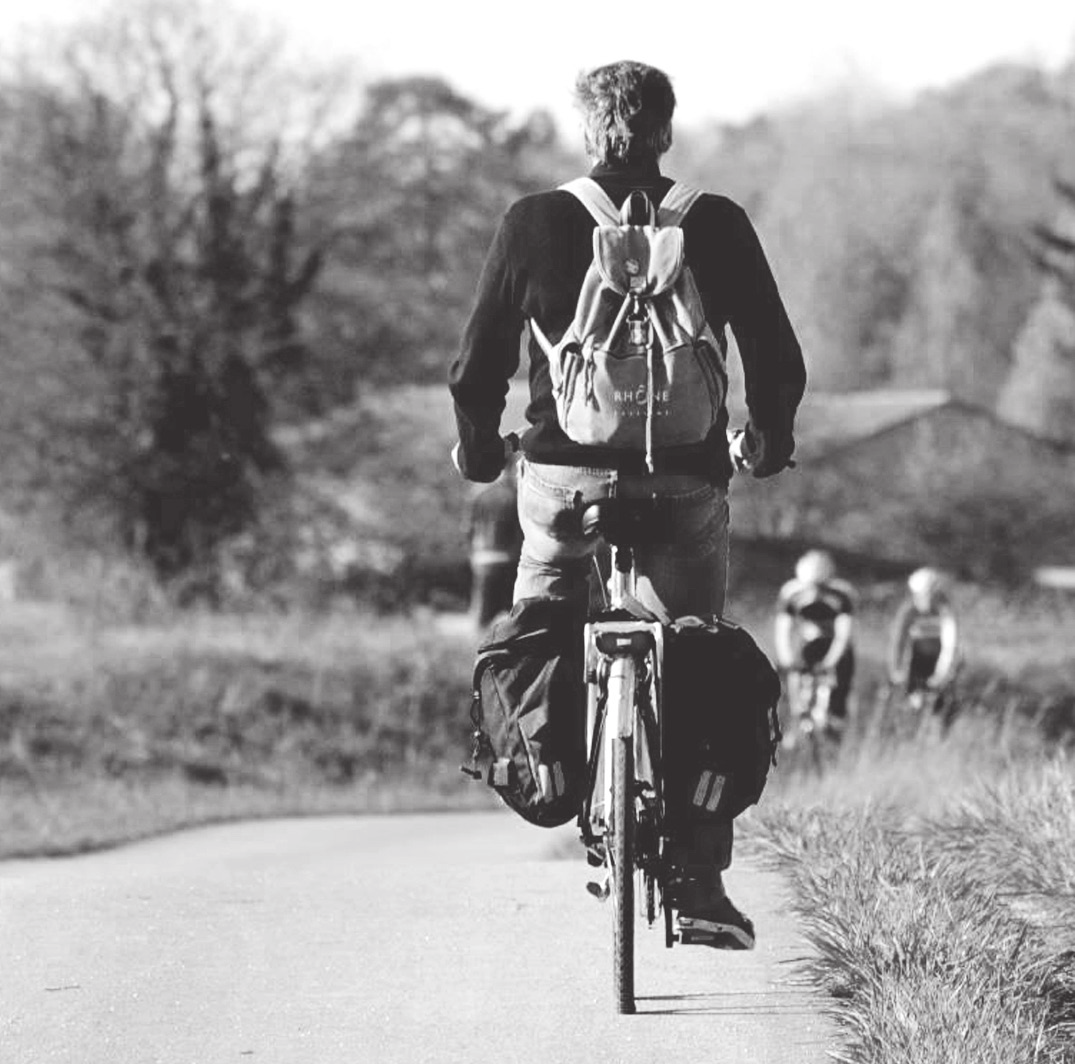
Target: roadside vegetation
(113,731)
(935,877)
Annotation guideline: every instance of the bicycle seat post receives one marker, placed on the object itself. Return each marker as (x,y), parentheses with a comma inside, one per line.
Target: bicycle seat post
(620,579)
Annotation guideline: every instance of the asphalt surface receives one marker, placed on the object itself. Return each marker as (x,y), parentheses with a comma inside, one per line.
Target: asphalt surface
(412,939)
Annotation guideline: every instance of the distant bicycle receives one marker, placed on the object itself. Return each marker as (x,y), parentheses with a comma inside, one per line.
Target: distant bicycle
(913,710)
(810,727)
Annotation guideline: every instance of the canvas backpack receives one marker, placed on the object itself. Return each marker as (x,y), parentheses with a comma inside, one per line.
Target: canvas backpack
(528,711)
(639,368)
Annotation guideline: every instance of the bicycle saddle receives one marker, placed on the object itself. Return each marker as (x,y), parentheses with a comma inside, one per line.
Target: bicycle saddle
(623,522)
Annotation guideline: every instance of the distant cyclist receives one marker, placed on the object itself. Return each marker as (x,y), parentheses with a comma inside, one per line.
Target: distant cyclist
(814,628)
(924,647)
(495,541)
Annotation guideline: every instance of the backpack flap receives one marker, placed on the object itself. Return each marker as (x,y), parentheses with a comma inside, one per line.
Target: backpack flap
(638,260)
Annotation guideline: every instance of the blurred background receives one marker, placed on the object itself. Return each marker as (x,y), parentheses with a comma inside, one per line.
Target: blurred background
(237,247)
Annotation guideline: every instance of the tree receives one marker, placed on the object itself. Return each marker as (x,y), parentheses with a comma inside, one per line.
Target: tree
(415,191)
(153,167)
(1039,394)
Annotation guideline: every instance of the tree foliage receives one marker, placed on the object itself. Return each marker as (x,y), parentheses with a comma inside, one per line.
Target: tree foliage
(414,191)
(1040,391)
(898,232)
(158,209)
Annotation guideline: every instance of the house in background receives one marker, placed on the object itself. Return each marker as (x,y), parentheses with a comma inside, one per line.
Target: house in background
(919,477)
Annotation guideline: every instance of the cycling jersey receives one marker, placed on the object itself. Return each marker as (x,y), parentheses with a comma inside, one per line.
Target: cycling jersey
(918,641)
(815,607)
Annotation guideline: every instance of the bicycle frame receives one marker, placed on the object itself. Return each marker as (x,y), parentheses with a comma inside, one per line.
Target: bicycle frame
(619,655)
(624,658)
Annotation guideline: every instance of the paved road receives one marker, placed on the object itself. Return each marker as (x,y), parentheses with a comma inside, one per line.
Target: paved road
(410,939)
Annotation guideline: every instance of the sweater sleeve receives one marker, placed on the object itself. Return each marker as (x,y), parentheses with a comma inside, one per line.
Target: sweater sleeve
(773,368)
(488,357)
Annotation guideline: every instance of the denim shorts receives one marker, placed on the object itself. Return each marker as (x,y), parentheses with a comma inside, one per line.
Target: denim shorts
(684,571)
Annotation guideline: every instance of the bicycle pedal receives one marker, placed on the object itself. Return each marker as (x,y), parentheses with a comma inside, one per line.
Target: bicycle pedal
(600,890)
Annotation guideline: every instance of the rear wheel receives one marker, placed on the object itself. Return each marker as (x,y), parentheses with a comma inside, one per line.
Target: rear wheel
(621,853)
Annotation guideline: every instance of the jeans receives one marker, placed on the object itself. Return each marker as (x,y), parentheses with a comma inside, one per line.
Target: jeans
(685,573)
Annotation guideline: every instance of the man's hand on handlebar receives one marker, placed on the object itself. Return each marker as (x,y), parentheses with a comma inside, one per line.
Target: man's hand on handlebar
(511,443)
(759,451)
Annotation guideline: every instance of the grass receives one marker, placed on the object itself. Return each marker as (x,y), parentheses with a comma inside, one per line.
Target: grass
(935,876)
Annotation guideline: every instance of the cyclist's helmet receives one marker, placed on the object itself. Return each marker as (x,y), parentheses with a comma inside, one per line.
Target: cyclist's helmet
(815,567)
(924,583)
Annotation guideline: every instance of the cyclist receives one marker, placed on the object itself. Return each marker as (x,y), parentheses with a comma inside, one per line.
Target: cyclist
(814,627)
(534,273)
(495,541)
(924,645)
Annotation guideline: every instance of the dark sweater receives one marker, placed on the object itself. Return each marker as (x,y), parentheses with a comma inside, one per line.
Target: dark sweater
(535,268)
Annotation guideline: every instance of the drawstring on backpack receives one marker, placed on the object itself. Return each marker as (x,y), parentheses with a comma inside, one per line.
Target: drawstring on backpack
(649,407)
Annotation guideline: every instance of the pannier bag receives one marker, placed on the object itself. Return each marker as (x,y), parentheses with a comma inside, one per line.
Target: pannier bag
(721,729)
(528,710)
(639,367)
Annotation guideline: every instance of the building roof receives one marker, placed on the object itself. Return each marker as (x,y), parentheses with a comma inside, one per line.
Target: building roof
(827,420)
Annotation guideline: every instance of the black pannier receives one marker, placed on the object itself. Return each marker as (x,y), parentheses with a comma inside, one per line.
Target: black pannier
(529,698)
(529,710)
(720,720)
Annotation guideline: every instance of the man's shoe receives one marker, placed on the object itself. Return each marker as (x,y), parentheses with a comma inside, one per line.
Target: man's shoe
(720,925)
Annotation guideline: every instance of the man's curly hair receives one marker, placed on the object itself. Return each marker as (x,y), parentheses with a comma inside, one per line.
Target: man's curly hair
(627,112)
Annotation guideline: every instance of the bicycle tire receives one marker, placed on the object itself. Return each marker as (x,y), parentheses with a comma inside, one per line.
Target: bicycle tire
(623,875)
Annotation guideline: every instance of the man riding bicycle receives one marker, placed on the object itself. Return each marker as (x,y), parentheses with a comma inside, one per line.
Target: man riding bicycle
(813,631)
(533,274)
(923,650)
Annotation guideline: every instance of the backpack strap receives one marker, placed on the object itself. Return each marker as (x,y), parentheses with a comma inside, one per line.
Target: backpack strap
(594,198)
(677,201)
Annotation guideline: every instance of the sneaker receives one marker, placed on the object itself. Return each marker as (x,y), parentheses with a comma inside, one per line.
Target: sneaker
(720,925)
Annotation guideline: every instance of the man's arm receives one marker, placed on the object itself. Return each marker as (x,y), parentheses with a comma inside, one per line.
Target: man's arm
(841,640)
(773,368)
(783,644)
(946,660)
(488,356)
(899,645)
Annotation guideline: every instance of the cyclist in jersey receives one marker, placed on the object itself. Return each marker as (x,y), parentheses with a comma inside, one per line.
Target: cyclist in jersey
(814,627)
(532,278)
(924,646)
(495,542)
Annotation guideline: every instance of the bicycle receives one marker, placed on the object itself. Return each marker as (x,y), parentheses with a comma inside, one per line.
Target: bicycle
(918,710)
(622,822)
(810,725)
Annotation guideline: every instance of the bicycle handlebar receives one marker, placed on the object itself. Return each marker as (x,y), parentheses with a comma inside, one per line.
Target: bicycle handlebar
(739,451)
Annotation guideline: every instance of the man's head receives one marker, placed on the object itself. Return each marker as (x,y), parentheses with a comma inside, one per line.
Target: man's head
(626,112)
(815,567)
(926,586)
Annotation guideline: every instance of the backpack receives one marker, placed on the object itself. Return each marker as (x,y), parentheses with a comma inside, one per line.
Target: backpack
(529,710)
(639,367)
(721,729)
